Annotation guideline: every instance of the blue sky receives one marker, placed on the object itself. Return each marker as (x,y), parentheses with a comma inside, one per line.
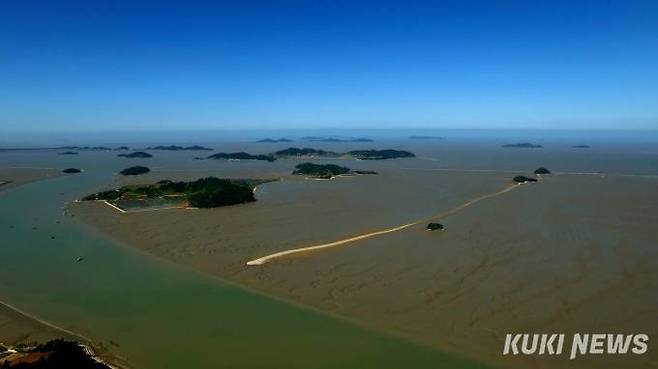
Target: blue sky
(110,65)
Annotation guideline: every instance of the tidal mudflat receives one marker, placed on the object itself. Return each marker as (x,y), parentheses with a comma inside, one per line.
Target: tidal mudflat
(571,253)
(154,314)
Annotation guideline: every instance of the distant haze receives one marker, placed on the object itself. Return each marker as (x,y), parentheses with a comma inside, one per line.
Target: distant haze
(89,66)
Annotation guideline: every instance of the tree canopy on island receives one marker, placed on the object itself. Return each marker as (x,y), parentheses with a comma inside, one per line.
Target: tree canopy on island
(136,154)
(134,171)
(542,170)
(208,192)
(241,156)
(320,170)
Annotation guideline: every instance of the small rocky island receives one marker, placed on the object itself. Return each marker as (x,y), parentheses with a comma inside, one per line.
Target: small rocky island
(71,170)
(136,154)
(208,192)
(68,153)
(542,170)
(180,148)
(581,147)
(523,145)
(241,156)
(435,227)
(135,171)
(524,179)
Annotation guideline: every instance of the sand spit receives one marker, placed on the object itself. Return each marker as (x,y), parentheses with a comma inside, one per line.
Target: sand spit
(15,176)
(265,259)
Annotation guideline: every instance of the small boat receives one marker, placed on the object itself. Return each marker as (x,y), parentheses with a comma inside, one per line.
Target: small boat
(79,259)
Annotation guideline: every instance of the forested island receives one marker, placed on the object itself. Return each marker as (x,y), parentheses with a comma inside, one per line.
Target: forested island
(136,154)
(435,227)
(305,152)
(203,193)
(542,170)
(135,171)
(380,154)
(180,148)
(326,171)
(320,171)
(68,153)
(356,154)
(71,170)
(275,140)
(524,179)
(241,156)
(524,145)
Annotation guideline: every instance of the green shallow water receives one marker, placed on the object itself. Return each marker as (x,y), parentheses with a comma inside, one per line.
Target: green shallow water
(161,315)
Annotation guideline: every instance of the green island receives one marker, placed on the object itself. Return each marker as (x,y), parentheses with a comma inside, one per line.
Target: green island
(68,153)
(207,192)
(71,170)
(435,227)
(524,179)
(135,171)
(294,152)
(136,154)
(326,171)
(180,148)
(57,353)
(542,170)
(306,152)
(524,145)
(274,140)
(380,154)
(240,156)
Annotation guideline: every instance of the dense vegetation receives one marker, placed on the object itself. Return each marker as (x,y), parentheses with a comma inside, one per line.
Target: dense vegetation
(59,354)
(542,170)
(524,145)
(275,140)
(71,170)
(524,179)
(241,156)
(435,227)
(324,171)
(203,193)
(213,192)
(135,171)
(180,148)
(380,154)
(307,152)
(136,154)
